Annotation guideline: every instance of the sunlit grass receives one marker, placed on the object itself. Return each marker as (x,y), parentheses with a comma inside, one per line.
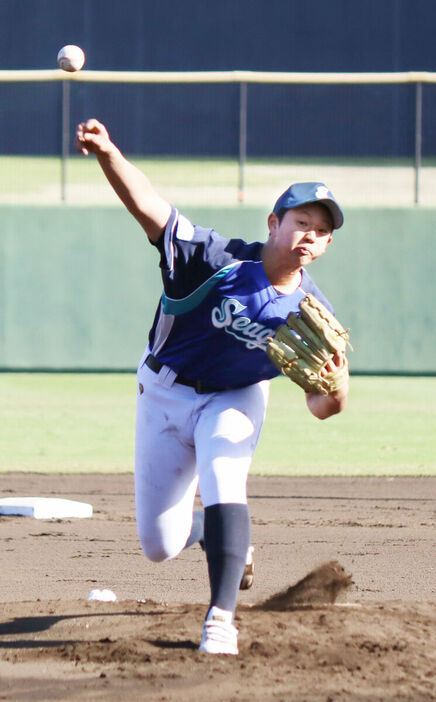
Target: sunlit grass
(80,423)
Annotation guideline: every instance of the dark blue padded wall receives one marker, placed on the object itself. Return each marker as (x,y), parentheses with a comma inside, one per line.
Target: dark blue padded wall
(279,35)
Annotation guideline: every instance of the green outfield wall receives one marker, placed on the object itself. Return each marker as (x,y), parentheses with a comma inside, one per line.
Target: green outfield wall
(80,285)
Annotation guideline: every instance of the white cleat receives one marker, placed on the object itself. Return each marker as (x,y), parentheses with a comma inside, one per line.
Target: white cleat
(248,576)
(219,634)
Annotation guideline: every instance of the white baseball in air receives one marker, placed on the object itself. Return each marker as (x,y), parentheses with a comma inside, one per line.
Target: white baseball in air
(71,58)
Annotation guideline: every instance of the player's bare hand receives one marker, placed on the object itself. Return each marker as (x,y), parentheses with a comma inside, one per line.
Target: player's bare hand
(324,406)
(337,361)
(92,137)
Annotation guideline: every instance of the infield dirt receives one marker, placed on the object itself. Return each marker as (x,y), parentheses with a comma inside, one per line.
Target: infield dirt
(377,642)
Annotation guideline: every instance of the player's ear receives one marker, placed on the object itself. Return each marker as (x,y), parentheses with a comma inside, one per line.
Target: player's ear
(273,223)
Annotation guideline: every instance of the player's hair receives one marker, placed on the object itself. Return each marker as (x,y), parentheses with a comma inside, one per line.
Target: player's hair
(281,213)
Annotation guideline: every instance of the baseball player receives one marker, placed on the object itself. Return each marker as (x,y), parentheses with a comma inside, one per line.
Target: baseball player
(203,379)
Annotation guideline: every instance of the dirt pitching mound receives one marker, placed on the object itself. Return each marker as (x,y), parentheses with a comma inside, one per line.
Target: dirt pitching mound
(108,651)
(378,646)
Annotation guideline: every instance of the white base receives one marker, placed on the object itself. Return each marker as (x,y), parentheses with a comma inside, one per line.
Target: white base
(44,507)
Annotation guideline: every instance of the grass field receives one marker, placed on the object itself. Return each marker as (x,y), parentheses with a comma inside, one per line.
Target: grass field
(200,181)
(80,423)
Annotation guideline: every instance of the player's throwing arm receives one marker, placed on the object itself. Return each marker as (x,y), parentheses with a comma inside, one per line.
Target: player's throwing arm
(130,184)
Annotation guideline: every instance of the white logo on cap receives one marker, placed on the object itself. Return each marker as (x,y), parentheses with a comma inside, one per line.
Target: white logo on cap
(322,192)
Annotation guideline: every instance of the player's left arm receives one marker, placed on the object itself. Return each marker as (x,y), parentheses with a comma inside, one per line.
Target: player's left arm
(324,406)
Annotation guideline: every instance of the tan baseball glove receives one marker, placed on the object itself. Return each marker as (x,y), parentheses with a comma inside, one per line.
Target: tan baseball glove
(307,342)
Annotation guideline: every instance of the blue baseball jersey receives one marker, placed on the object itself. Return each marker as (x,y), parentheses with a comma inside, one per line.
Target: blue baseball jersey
(218,307)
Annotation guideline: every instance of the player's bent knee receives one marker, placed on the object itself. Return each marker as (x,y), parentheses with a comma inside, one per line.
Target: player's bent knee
(153,551)
(156,551)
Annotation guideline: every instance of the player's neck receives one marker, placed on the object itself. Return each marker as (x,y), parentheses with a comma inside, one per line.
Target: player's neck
(287,285)
(283,276)
(282,279)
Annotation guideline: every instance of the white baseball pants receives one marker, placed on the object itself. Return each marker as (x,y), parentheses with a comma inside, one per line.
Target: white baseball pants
(185,439)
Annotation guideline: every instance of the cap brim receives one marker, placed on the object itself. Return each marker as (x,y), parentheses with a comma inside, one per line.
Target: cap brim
(335,211)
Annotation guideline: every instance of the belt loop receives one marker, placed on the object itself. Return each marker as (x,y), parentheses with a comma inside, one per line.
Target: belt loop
(167,377)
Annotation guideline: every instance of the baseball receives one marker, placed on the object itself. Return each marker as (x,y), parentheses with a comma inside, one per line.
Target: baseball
(71,58)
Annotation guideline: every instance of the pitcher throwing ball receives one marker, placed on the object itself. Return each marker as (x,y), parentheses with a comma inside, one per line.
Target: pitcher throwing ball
(224,326)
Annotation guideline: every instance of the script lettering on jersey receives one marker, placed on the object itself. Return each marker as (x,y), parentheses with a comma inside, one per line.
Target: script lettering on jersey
(252,334)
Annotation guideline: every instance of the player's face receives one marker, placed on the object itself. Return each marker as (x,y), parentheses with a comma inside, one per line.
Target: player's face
(303,234)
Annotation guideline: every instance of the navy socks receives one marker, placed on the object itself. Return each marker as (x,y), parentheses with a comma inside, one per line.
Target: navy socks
(197,530)
(224,532)
(226,539)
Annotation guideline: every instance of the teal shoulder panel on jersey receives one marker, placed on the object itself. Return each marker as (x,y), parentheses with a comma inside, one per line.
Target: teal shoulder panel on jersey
(190,302)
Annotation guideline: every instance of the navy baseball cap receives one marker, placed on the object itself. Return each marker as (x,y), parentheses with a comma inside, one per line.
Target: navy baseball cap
(305,193)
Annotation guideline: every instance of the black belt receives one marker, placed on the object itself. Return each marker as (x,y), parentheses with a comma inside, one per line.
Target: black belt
(198,385)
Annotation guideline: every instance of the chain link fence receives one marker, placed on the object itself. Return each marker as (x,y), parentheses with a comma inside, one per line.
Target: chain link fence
(221,138)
